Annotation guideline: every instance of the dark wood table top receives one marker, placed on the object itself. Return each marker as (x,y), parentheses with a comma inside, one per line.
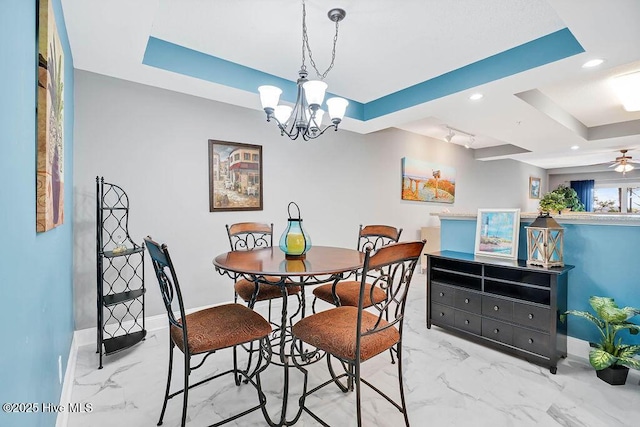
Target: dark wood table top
(320,260)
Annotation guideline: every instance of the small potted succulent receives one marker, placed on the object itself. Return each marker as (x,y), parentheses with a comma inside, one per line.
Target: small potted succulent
(552,202)
(610,357)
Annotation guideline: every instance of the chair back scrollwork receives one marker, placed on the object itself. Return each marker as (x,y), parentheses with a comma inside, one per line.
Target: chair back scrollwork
(376,236)
(245,236)
(395,263)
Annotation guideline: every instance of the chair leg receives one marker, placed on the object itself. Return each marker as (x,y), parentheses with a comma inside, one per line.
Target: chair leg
(401,382)
(356,370)
(166,393)
(236,375)
(187,371)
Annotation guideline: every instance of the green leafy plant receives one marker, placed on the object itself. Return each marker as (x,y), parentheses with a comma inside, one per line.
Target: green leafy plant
(610,319)
(571,199)
(552,202)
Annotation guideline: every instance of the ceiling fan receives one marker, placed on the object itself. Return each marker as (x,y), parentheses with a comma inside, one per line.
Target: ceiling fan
(623,163)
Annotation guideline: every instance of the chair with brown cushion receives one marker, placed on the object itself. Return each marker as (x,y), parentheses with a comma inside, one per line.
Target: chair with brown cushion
(246,236)
(353,335)
(206,331)
(369,237)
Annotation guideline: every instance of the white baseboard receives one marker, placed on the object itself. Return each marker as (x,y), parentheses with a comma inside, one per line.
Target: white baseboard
(67,386)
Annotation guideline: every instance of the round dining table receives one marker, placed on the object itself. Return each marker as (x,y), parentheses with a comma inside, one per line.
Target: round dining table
(321,264)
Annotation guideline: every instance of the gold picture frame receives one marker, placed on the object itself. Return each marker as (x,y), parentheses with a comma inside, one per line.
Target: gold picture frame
(534,187)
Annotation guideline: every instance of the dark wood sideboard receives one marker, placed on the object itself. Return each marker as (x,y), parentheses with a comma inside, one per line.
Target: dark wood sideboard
(505,304)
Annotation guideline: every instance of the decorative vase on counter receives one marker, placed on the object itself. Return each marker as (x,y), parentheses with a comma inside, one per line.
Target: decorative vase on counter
(295,242)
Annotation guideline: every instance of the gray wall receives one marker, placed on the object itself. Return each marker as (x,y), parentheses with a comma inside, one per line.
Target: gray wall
(153,143)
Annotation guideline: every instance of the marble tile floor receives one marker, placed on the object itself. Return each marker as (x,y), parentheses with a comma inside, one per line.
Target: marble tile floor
(448,382)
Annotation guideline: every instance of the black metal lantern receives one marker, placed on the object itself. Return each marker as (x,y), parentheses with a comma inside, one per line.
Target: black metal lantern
(295,242)
(545,242)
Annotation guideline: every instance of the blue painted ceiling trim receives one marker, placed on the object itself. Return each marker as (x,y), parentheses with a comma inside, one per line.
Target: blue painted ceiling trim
(541,51)
(172,57)
(544,50)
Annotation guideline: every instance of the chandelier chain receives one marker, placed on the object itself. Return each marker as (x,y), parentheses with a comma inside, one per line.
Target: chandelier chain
(305,44)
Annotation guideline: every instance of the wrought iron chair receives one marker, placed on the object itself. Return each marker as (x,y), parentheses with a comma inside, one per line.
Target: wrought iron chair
(246,236)
(370,237)
(353,335)
(206,331)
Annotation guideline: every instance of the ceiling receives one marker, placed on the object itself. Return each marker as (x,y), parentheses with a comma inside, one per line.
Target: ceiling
(410,65)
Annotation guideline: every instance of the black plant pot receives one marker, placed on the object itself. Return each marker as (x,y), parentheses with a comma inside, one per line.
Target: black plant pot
(614,375)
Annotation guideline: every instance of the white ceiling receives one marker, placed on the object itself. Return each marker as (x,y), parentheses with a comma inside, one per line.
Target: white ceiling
(385,46)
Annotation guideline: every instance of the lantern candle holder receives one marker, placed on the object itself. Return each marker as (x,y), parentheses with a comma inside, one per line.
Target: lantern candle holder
(545,242)
(295,242)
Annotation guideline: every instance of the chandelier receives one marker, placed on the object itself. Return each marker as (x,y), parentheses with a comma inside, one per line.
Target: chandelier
(305,117)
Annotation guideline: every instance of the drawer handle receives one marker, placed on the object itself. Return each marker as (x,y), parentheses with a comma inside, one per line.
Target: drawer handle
(441,294)
(496,330)
(530,315)
(466,300)
(441,314)
(496,308)
(466,322)
(530,340)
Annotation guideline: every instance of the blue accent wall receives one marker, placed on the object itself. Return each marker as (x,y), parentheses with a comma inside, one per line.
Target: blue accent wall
(36,301)
(605,259)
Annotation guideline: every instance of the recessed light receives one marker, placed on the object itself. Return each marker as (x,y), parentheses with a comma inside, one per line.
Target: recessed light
(476,96)
(592,63)
(575,147)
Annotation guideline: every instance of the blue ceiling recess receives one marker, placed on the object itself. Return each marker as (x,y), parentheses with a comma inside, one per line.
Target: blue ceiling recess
(544,50)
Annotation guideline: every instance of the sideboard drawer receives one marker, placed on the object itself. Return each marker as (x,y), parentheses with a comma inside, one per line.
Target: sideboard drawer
(497,307)
(531,316)
(468,322)
(497,331)
(469,301)
(533,341)
(442,294)
(442,314)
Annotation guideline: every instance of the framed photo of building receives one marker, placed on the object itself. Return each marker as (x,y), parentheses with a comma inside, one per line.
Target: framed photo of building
(534,188)
(235,176)
(497,232)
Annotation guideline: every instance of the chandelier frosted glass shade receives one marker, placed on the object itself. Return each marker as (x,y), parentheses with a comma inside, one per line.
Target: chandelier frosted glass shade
(314,91)
(269,96)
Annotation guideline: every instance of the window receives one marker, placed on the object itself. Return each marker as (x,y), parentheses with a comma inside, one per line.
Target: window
(633,199)
(236,157)
(255,158)
(247,156)
(617,198)
(606,199)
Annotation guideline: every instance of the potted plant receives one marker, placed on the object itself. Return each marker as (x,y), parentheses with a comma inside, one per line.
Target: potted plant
(552,202)
(610,357)
(571,199)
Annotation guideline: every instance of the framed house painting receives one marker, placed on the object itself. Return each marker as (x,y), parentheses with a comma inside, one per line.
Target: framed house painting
(50,118)
(235,176)
(534,188)
(497,232)
(427,182)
